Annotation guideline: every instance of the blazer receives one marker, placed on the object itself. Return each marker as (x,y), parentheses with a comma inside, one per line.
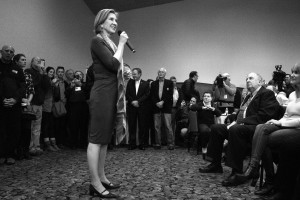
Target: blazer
(262,108)
(167,96)
(141,96)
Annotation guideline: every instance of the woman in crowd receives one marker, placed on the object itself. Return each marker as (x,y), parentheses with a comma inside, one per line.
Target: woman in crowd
(47,120)
(275,132)
(23,147)
(108,69)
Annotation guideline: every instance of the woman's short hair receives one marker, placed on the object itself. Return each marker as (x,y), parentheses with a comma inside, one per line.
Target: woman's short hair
(49,68)
(17,57)
(101,17)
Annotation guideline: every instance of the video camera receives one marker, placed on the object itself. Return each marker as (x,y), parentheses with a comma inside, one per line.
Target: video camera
(220,80)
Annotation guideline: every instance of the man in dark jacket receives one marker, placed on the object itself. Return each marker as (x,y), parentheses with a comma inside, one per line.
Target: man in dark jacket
(259,106)
(188,87)
(12,89)
(162,98)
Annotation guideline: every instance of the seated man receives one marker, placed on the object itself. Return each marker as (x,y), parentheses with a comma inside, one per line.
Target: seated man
(259,106)
(207,112)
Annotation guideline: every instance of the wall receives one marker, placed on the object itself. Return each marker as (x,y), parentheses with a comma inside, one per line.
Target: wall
(57,30)
(214,36)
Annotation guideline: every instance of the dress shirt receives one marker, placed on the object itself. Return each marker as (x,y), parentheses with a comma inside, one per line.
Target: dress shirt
(137,85)
(161,87)
(175,96)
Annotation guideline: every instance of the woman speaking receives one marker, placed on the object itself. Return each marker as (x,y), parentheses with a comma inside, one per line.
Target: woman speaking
(104,101)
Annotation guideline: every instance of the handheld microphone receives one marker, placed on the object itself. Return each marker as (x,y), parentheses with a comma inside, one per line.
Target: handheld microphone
(128,43)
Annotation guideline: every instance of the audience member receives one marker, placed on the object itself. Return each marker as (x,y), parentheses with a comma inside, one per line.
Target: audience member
(188,87)
(60,123)
(280,95)
(276,130)
(41,85)
(288,87)
(177,99)
(12,88)
(259,106)
(48,118)
(224,92)
(137,93)
(207,111)
(24,142)
(78,112)
(162,95)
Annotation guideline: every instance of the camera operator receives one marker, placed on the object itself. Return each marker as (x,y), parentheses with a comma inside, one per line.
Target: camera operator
(78,111)
(224,93)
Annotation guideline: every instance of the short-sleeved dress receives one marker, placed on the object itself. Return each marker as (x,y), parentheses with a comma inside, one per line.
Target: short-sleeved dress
(103,96)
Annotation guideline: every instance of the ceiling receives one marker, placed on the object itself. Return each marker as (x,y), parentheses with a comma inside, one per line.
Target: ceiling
(123,5)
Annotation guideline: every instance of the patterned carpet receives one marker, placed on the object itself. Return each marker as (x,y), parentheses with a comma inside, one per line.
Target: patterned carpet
(150,174)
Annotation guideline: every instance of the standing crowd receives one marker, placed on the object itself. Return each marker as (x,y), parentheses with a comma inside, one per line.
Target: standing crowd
(46,109)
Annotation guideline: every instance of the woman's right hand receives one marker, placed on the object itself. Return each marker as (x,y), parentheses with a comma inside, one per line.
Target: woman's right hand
(123,38)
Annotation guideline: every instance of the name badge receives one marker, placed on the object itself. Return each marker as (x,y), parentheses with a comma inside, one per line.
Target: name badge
(14,71)
(77,89)
(225,96)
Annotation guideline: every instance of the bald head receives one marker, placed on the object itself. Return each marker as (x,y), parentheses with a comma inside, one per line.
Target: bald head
(7,53)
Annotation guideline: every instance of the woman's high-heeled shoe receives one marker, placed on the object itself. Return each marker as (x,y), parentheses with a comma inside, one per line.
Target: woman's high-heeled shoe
(251,173)
(93,191)
(110,186)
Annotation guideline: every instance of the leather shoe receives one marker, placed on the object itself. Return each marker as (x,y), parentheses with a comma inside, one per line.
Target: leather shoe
(251,173)
(212,168)
(276,196)
(231,181)
(110,186)
(266,189)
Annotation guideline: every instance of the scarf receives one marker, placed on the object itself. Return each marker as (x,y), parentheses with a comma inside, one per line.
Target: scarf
(120,123)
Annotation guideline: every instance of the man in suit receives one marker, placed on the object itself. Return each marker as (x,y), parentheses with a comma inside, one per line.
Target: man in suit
(162,98)
(259,106)
(137,93)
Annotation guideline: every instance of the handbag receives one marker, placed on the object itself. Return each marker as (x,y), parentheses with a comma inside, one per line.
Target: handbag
(59,109)
(28,113)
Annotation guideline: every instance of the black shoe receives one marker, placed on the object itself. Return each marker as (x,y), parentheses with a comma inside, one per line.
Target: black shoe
(93,191)
(156,146)
(142,147)
(110,186)
(251,173)
(266,189)
(132,147)
(212,168)
(231,181)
